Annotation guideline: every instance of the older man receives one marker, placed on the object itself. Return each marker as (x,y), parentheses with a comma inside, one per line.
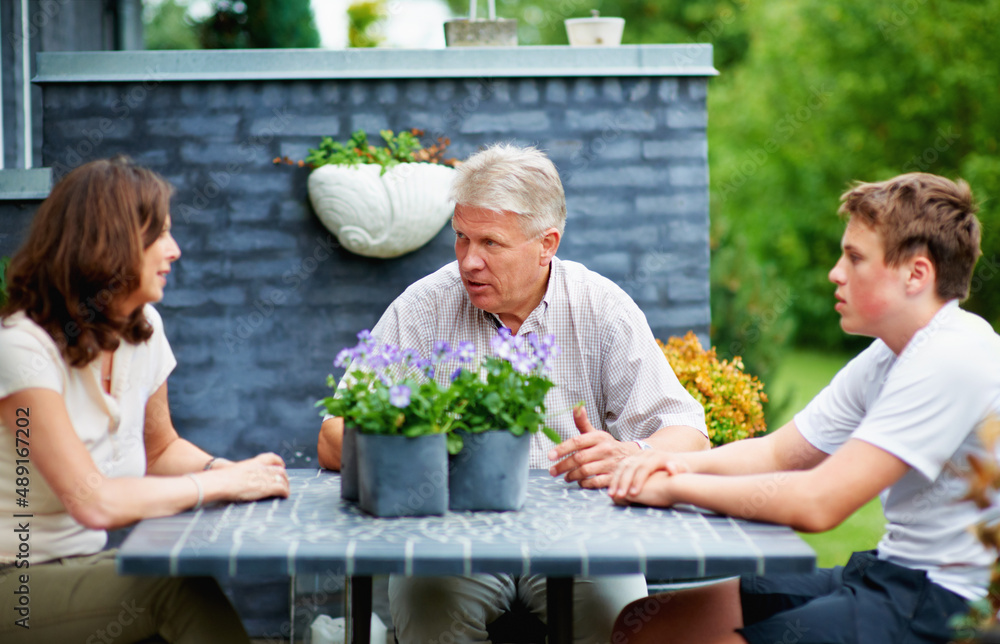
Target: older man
(509,218)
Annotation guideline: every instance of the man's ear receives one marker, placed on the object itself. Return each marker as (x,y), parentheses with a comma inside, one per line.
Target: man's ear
(550,244)
(921,275)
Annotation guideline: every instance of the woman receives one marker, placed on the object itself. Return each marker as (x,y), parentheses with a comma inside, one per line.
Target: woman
(86,440)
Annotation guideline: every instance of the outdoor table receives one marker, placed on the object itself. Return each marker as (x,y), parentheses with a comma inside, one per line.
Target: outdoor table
(562,531)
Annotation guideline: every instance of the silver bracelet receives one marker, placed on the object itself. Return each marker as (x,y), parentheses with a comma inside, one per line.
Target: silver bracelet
(210,463)
(201,491)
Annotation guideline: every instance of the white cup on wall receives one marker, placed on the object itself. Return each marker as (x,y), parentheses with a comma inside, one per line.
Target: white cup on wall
(594,31)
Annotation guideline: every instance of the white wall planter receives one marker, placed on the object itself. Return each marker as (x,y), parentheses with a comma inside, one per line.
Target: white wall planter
(382,216)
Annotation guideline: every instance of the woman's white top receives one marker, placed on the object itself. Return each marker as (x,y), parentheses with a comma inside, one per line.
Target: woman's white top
(110,425)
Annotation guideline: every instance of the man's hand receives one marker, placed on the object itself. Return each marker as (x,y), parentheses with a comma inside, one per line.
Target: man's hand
(591,457)
(330,443)
(631,475)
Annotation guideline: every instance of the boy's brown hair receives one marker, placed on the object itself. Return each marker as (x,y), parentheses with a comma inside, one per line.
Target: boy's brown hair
(922,213)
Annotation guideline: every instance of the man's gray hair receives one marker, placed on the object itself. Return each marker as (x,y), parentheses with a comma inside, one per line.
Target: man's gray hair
(504,177)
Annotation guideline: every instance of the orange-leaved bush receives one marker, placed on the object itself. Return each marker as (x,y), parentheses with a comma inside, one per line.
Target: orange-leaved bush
(731,397)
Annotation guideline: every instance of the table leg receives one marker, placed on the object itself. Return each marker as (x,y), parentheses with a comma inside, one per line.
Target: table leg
(291,609)
(559,598)
(359,610)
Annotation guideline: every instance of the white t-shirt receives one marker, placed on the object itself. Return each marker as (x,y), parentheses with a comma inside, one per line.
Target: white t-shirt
(111,426)
(923,407)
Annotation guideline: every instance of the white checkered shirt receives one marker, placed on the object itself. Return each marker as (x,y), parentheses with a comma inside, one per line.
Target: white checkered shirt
(609,359)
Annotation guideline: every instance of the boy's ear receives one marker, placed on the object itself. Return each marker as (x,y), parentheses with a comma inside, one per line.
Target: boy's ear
(921,275)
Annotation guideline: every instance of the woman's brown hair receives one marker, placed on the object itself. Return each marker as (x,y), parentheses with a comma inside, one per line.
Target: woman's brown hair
(83,256)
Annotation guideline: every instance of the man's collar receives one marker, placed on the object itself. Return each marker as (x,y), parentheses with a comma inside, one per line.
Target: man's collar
(543,306)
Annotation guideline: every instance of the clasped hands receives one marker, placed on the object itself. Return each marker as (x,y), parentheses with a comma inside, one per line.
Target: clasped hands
(597,459)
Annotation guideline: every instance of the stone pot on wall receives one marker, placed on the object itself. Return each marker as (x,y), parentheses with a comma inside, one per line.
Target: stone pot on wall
(378,214)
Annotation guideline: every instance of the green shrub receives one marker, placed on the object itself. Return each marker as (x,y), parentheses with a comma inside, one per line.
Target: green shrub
(731,397)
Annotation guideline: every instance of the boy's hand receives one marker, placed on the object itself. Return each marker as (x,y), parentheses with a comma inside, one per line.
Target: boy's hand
(632,473)
(656,491)
(591,457)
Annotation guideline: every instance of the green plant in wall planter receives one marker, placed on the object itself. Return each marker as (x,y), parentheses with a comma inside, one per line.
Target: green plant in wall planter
(381,201)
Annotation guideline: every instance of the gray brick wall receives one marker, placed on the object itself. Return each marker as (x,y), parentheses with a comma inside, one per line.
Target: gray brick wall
(15,218)
(263,297)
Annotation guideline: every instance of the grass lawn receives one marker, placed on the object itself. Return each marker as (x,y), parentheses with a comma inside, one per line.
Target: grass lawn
(802,375)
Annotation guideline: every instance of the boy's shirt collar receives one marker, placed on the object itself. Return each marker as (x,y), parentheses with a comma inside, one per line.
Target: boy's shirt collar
(924,333)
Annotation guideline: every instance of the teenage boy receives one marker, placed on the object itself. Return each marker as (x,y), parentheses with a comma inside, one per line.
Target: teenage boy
(898,421)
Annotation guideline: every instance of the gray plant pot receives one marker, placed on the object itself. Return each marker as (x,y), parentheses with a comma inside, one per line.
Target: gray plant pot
(400,477)
(349,465)
(490,473)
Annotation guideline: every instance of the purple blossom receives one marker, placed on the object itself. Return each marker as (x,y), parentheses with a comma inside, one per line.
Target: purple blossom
(455,374)
(525,353)
(377,360)
(465,352)
(384,355)
(344,358)
(441,351)
(523,362)
(399,396)
(426,366)
(502,346)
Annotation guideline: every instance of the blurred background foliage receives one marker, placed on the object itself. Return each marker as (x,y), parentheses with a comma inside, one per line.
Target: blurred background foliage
(812,95)
(365,23)
(230,24)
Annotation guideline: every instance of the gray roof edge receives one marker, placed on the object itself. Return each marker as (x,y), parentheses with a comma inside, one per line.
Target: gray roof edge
(456,62)
(19,184)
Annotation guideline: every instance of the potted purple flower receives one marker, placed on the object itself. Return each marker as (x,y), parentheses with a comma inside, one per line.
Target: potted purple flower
(396,419)
(400,423)
(502,405)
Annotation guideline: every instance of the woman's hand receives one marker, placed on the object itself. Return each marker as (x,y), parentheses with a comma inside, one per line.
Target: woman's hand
(632,473)
(260,477)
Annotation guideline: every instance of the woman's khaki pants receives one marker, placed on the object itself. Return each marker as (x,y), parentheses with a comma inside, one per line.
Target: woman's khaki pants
(82,600)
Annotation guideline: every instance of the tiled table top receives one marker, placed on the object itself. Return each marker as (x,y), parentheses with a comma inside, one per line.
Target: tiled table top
(562,530)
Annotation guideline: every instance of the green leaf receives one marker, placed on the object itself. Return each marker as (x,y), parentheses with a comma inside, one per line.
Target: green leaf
(454,443)
(493,402)
(552,435)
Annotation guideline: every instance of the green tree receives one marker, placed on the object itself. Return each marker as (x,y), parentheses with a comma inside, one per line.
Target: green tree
(167,26)
(836,91)
(365,23)
(238,24)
